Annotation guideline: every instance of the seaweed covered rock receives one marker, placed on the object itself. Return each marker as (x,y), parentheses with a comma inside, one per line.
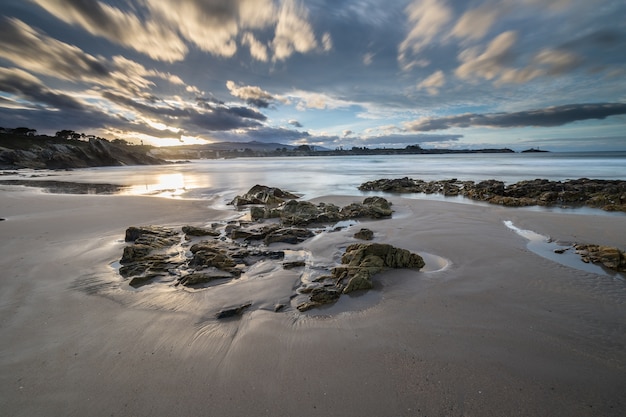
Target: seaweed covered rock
(608,195)
(364,234)
(199,231)
(361,261)
(608,256)
(261,194)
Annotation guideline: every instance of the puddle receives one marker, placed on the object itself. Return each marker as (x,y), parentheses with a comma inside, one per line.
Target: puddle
(546,248)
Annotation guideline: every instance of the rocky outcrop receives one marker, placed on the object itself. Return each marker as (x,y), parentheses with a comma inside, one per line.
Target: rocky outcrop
(50,154)
(605,194)
(608,256)
(201,257)
(359,264)
(261,194)
(159,252)
(364,234)
(302,213)
(199,231)
(361,261)
(232,312)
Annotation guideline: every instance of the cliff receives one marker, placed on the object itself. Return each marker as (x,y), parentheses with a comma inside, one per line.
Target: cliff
(45,152)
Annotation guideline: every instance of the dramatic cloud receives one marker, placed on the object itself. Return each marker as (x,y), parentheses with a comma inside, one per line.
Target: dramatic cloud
(252,95)
(548,117)
(28,48)
(491,62)
(257,49)
(161,68)
(37,52)
(293,32)
(426,17)
(211,118)
(26,86)
(263,134)
(433,82)
(475,23)
(402,140)
(149,36)
(161,28)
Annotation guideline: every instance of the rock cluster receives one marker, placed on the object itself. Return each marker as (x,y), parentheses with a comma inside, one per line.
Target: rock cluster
(606,194)
(197,256)
(261,194)
(359,264)
(155,252)
(364,234)
(302,213)
(608,256)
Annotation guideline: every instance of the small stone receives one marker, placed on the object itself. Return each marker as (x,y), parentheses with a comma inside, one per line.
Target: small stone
(364,234)
(232,312)
(199,231)
(293,264)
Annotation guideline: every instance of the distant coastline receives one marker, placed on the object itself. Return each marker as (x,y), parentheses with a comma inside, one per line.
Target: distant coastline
(253,149)
(533,150)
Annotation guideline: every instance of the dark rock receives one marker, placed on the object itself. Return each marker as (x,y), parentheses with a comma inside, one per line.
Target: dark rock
(293,264)
(198,278)
(140,281)
(232,312)
(150,233)
(606,194)
(288,235)
(363,260)
(135,253)
(372,207)
(211,256)
(325,295)
(261,194)
(608,256)
(279,307)
(199,231)
(360,263)
(302,213)
(364,234)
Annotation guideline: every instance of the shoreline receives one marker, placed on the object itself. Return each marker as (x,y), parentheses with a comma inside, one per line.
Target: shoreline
(498,331)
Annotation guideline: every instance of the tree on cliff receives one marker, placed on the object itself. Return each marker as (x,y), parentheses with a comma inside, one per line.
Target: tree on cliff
(67,134)
(24,131)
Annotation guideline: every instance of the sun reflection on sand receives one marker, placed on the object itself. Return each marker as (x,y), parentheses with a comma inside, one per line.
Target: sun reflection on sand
(163,185)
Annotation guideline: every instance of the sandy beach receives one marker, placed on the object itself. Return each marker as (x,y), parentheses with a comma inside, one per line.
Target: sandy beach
(488,328)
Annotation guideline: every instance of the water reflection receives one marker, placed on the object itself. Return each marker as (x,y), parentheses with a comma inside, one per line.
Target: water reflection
(162,185)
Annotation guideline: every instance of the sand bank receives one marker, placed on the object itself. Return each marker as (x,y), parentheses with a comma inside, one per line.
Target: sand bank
(492,330)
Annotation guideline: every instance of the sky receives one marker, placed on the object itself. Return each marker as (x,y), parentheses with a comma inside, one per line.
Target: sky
(457,74)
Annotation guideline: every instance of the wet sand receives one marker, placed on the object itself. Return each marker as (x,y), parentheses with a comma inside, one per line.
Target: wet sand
(492,329)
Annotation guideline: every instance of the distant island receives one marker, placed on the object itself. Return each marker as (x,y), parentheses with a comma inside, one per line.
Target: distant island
(22,147)
(533,150)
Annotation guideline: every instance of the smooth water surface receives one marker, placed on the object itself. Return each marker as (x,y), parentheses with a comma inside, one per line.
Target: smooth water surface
(317,176)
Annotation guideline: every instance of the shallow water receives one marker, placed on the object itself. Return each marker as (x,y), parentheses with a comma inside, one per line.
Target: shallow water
(566,255)
(318,176)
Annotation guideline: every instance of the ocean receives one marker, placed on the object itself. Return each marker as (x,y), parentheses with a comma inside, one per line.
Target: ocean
(318,176)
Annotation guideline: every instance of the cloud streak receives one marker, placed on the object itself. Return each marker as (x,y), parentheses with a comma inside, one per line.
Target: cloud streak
(547,117)
(162,29)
